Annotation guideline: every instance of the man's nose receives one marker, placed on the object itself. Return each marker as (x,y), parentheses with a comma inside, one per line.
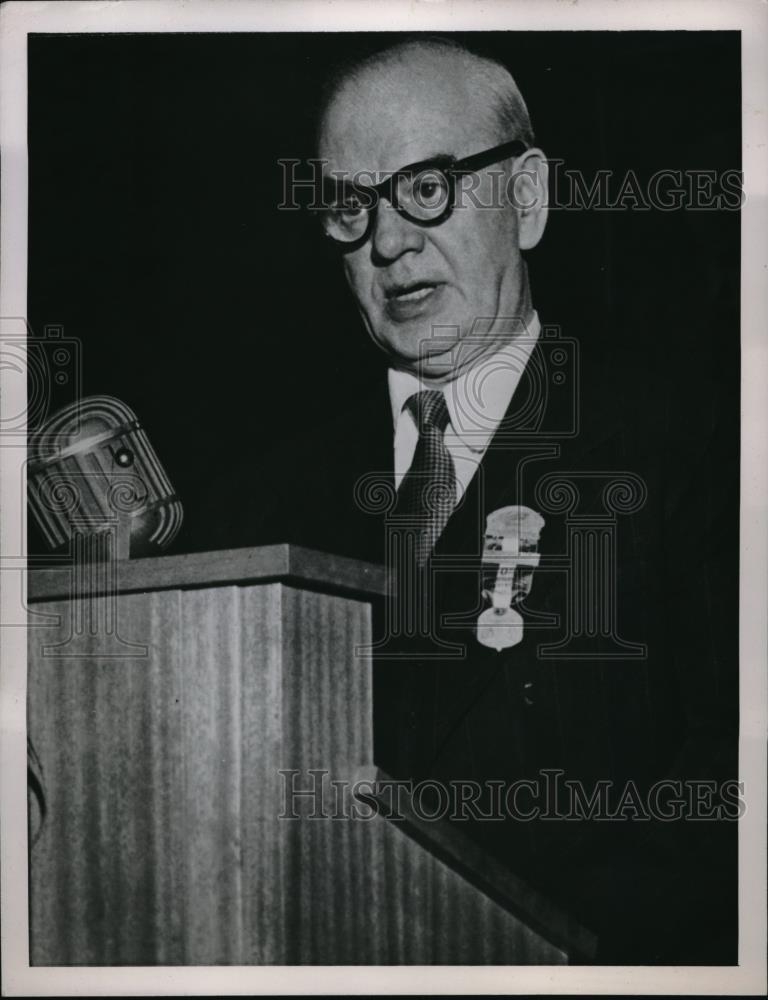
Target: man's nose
(393,234)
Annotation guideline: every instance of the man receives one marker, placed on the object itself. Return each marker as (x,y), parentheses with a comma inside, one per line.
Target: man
(435,190)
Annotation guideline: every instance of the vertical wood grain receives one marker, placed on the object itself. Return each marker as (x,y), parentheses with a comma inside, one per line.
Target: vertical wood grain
(263,854)
(163,842)
(104,869)
(211,669)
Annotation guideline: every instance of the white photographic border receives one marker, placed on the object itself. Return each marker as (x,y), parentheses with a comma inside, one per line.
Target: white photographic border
(17,19)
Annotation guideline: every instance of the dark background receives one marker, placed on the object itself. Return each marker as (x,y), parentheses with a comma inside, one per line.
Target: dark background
(156,241)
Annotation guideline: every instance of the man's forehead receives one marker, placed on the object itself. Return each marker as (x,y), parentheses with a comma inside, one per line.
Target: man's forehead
(393,116)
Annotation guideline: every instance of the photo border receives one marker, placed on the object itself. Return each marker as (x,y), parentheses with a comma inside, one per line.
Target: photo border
(750,17)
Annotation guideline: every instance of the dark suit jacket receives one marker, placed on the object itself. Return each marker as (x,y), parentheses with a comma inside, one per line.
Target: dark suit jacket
(650,695)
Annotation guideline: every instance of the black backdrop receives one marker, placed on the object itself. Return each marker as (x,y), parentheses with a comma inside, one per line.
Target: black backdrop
(156,241)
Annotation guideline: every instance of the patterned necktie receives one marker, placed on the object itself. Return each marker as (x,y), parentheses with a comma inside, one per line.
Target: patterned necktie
(427,494)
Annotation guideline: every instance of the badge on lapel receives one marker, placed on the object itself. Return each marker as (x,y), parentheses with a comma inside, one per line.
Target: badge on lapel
(511,547)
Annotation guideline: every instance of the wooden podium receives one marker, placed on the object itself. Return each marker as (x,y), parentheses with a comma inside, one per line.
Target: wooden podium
(174,704)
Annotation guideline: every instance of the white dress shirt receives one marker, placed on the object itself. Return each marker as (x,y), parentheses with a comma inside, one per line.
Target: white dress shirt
(477,401)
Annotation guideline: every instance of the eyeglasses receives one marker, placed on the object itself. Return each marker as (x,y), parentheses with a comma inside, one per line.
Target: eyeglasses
(424,193)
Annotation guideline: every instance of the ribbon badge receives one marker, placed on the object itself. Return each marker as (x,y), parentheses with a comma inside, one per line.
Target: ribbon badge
(511,546)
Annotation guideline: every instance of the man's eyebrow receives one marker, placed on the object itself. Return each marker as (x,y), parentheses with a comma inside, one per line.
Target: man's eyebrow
(440,159)
(343,179)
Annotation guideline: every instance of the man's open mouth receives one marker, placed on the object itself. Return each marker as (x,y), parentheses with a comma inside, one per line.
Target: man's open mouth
(413,292)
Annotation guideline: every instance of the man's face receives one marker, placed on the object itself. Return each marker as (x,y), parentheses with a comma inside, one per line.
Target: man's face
(413,282)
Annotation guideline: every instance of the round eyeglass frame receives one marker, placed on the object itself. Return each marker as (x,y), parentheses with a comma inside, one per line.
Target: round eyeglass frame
(449,167)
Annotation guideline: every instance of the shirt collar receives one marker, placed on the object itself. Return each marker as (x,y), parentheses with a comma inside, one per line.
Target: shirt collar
(478,399)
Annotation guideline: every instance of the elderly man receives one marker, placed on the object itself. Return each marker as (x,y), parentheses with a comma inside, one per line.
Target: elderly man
(420,260)
(432,253)
(560,670)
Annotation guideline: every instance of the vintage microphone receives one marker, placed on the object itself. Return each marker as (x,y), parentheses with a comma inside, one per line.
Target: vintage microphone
(95,479)
(95,483)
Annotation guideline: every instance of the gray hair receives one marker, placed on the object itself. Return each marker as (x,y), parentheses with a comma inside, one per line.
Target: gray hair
(507,109)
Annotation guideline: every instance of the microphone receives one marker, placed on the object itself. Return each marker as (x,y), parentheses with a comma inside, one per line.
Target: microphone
(94,473)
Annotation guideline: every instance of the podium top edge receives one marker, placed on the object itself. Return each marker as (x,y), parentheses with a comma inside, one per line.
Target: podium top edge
(290,564)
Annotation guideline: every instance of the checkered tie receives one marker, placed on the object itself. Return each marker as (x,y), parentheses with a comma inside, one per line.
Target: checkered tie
(427,494)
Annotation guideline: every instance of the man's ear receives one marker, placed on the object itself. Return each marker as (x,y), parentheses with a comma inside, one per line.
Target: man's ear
(529,194)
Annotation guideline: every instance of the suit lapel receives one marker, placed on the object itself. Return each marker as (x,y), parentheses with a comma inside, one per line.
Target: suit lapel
(509,473)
